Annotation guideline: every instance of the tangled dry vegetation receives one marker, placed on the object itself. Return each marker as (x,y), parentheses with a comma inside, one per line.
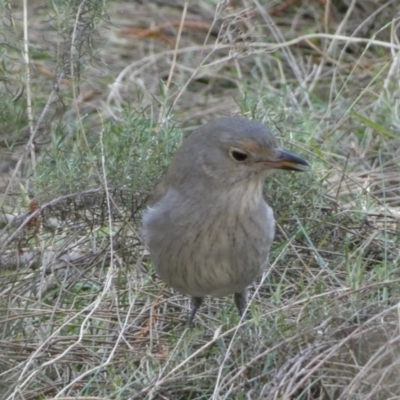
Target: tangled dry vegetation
(89,127)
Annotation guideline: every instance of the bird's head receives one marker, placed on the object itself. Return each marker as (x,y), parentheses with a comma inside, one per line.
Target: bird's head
(231,150)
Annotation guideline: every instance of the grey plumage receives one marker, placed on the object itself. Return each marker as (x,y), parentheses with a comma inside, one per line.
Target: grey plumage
(208,227)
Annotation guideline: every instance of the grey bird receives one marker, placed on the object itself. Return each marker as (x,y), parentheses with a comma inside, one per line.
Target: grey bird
(207,226)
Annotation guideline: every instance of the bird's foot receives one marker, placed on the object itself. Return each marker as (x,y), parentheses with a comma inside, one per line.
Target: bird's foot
(195,305)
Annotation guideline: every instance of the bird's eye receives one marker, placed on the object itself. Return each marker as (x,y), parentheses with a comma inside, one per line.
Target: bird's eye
(238,155)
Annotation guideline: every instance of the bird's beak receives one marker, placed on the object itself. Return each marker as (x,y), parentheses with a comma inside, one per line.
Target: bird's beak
(289,161)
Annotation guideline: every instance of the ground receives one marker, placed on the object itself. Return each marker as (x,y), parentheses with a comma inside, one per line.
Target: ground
(92,108)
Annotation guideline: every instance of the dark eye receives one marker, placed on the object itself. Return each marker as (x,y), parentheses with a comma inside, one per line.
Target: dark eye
(238,155)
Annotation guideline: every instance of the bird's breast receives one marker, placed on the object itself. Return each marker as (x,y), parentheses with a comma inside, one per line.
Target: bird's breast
(213,247)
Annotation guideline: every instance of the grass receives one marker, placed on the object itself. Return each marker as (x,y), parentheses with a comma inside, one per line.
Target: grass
(82,313)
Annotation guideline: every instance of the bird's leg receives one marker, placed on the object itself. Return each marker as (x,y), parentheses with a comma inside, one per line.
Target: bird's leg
(195,304)
(241,301)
